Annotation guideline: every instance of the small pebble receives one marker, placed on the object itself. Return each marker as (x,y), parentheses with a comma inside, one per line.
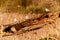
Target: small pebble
(47,10)
(15,20)
(13,29)
(27,17)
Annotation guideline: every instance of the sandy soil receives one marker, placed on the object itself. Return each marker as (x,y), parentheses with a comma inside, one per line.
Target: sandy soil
(49,30)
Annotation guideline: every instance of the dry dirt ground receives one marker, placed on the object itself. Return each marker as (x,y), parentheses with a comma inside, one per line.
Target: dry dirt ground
(50,29)
(9,18)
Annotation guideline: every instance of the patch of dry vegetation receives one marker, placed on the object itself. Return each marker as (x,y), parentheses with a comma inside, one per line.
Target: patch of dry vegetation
(14,5)
(28,6)
(42,5)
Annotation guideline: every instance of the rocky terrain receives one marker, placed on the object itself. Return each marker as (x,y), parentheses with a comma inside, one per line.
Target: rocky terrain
(50,28)
(34,20)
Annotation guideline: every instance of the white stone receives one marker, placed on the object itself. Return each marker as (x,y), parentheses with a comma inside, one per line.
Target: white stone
(27,17)
(47,10)
(13,29)
(15,20)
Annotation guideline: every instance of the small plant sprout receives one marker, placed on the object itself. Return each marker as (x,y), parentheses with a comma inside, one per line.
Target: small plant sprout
(27,17)
(47,10)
